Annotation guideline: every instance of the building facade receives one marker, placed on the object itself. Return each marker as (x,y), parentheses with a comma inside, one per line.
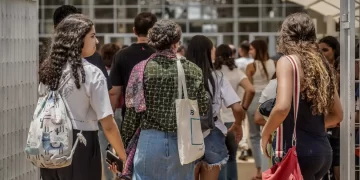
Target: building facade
(224,21)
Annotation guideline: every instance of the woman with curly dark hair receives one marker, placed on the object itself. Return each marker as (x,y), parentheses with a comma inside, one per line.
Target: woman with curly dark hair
(85,93)
(319,105)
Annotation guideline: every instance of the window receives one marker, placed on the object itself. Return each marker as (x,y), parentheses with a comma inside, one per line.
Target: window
(104,28)
(248,27)
(104,13)
(271,26)
(248,1)
(248,12)
(103,2)
(225,12)
(228,39)
(126,13)
(79,2)
(49,12)
(54,2)
(125,28)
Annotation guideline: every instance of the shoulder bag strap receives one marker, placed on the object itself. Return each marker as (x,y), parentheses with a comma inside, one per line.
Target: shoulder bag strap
(296,93)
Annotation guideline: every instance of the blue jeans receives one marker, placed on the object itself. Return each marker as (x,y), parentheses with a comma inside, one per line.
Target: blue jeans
(157,158)
(229,171)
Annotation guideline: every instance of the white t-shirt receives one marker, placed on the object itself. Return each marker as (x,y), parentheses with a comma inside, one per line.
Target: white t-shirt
(242,62)
(234,76)
(224,95)
(269,91)
(91,102)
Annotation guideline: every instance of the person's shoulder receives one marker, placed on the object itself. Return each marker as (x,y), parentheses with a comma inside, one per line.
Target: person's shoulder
(92,71)
(94,59)
(192,66)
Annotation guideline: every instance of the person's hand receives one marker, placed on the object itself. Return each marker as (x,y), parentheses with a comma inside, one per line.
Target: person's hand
(264,142)
(238,133)
(113,167)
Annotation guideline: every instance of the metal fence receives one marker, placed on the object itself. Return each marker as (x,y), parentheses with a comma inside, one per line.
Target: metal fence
(18,85)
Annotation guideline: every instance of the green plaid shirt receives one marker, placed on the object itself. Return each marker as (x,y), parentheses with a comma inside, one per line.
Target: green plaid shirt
(161,81)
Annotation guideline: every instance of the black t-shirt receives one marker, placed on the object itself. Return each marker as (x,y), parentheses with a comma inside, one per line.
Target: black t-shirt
(123,63)
(97,61)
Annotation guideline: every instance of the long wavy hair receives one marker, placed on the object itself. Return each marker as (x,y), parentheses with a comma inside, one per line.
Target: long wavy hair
(262,54)
(298,37)
(66,47)
(223,56)
(199,52)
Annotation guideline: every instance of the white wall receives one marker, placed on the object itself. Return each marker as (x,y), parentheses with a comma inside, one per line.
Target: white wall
(18,85)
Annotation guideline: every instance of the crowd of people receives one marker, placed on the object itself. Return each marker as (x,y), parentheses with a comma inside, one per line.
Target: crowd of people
(117,91)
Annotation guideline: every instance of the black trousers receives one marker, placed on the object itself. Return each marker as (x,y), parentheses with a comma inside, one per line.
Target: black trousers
(86,163)
(314,167)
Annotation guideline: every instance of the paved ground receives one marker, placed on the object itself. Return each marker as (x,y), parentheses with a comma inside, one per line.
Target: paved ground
(246,169)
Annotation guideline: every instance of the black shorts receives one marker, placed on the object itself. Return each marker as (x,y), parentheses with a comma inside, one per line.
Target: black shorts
(86,163)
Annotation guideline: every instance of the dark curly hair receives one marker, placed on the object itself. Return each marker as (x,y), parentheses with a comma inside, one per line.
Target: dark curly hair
(223,56)
(107,53)
(66,47)
(298,37)
(163,34)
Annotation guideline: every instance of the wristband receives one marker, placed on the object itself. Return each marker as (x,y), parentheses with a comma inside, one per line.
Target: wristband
(244,108)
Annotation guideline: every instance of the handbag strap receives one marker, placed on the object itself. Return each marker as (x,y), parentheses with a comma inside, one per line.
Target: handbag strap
(296,94)
(279,149)
(181,80)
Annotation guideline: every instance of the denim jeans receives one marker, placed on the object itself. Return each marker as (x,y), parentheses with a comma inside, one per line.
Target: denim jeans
(157,158)
(229,170)
(104,142)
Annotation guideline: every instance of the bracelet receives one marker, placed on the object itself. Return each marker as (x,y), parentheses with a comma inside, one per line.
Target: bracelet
(244,108)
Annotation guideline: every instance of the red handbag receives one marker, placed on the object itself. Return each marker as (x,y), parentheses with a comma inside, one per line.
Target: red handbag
(288,168)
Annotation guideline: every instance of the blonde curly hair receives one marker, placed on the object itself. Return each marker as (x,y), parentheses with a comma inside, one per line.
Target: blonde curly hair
(298,37)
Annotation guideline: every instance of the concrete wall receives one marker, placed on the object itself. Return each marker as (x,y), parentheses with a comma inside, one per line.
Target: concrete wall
(18,85)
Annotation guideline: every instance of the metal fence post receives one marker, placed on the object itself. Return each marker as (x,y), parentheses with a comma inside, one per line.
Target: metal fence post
(347,88)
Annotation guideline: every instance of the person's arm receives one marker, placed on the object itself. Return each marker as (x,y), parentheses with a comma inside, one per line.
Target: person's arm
(232,100)
(115,93)
(259,119)
(283,97)
(250,71)
(112,134)
(117,81)
(100,102)
(249,93)
(335,116)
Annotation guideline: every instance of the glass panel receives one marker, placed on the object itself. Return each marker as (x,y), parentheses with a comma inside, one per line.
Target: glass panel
(79,2)
(293,9)
(54,2)
(264,38)
(243,38)
(49,12)
(271,11)
(123,2)
(104,13)
(196,27)
(104,28)
(224,27)
(248,12)
(127,13)
(103,2)
(225,12)
(183,27)
(117,40)
(214,40)
(49,28)
(157,10)
(84,11)
(125,28)
(249,27)
(248,1)
(216,2)
(271,26)
(228,40)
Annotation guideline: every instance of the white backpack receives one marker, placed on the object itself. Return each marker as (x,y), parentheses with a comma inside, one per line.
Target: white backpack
(50,139)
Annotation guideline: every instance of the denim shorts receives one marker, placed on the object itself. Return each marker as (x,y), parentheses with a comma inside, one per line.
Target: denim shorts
(157,158)
(216,153)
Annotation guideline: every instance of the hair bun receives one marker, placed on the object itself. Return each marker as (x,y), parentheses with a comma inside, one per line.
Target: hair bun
(163,34)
